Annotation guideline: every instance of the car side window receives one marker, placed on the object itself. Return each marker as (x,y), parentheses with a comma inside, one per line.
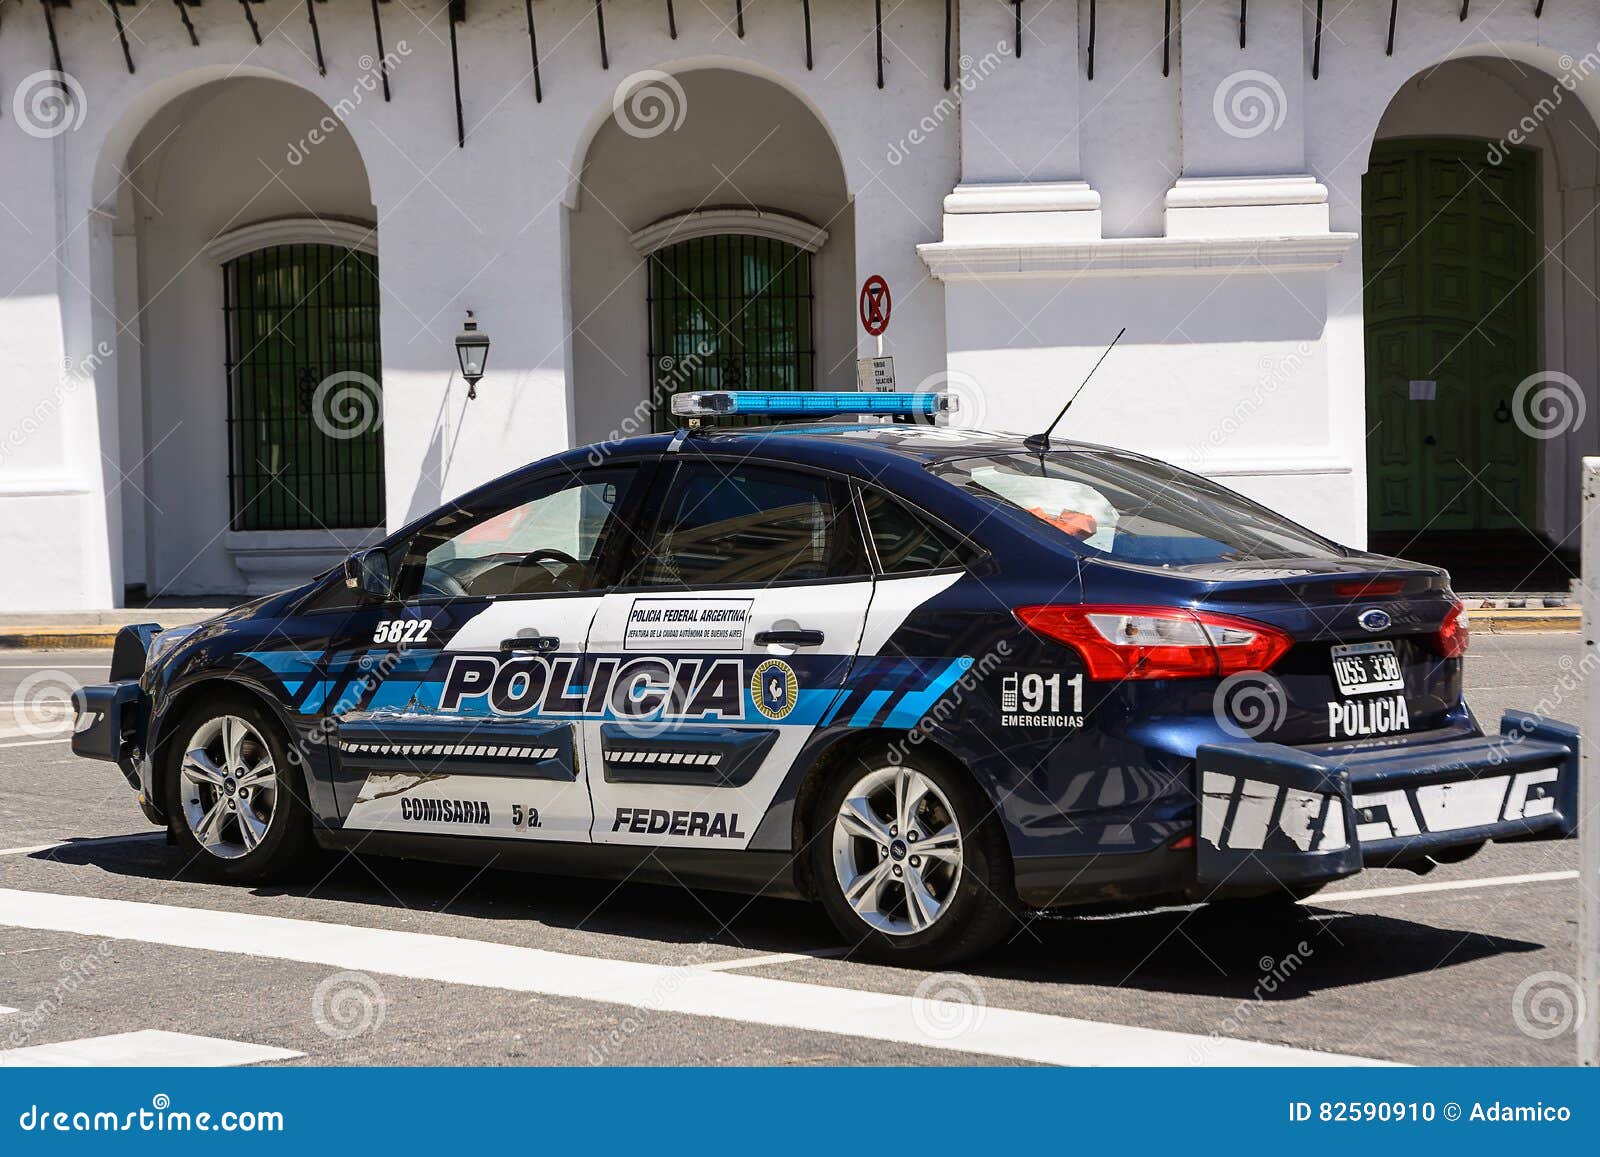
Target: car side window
(543,539)
(906,542)
(723,523)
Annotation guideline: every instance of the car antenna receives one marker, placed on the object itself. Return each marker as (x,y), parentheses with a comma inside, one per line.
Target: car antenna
(1039,443)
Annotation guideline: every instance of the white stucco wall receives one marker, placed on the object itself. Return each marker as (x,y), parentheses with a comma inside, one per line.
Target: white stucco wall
(231,134)
(1137,205)
(1264,370)
(481,227)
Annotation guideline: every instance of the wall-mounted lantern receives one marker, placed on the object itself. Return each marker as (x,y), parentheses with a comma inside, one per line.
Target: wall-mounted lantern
(472,351)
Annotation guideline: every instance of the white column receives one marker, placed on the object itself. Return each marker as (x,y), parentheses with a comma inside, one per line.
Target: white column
(1021,177)
(58,445)
(890,206)
(1243,108)
(1243,111)
(1019,110)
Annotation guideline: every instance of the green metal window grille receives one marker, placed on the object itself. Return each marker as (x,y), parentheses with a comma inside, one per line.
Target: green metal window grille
(304,398)
(729,313)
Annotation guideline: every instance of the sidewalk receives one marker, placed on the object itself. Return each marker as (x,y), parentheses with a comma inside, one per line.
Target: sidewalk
(95,630)
(92,630)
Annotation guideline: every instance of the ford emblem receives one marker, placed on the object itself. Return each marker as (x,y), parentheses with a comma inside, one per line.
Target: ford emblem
(1375,619)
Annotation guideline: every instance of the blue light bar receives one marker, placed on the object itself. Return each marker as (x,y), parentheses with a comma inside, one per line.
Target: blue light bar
(806,403)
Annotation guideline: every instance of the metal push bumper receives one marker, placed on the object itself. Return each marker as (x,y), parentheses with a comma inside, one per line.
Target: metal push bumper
(110,725)
(1271,814)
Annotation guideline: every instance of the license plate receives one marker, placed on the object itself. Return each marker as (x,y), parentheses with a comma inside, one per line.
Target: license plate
(1365,668)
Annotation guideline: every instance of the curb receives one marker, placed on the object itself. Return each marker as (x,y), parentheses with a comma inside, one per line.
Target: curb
(58,638)
(1508,621)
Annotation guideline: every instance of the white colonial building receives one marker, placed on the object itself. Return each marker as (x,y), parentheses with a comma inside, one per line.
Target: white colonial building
(1353,246)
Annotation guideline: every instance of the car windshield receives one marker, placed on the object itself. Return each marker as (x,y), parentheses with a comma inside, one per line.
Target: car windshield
(1135,510)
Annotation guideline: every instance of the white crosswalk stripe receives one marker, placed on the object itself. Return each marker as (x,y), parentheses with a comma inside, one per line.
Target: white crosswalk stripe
(147,1047)
(905,1020)
(1440,886)
(92,841)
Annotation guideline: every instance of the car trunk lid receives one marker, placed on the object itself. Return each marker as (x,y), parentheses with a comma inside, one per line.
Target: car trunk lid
(1367,659)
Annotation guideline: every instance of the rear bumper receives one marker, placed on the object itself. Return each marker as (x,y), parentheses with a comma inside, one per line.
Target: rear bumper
(1275,815)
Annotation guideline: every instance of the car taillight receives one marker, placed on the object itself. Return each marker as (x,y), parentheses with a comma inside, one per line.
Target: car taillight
(1450,640)
(1369,588)
(1158,642)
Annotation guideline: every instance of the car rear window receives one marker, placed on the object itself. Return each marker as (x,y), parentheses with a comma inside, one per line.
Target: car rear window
(1136,510)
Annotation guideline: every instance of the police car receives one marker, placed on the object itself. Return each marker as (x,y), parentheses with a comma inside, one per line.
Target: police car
(927,677)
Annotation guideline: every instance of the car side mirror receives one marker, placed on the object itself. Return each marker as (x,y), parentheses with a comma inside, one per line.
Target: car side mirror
(367,571)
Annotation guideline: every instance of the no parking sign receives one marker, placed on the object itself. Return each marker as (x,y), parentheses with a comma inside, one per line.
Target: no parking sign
(875,305)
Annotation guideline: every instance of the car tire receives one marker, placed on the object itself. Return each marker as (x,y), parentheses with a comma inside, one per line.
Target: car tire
(235,800)
(868,871)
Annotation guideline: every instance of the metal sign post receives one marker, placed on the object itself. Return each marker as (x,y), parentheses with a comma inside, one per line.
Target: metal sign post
(1589,786)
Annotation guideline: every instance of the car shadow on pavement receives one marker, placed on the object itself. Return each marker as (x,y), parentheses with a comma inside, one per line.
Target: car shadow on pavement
(722,922)
(1216,952)
(1211,951)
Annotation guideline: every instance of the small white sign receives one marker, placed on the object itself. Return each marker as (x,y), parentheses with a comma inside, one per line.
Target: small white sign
(687,624)
(1424,391)
(875,375)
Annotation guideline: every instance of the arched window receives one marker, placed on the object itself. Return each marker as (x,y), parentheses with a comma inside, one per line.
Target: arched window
(305,399)
(730,302)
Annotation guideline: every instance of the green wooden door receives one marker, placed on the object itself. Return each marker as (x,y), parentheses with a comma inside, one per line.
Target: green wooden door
(1448,242)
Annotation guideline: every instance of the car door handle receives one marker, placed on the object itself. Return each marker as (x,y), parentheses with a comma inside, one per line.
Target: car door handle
(542,644)
(800,638)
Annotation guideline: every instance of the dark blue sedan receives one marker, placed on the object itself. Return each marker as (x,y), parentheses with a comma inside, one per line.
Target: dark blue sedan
(930,678)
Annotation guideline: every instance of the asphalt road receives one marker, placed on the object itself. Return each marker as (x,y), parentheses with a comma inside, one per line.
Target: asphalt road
(524,969)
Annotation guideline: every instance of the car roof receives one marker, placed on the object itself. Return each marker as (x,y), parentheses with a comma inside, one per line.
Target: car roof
(892,453)
(876,450)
